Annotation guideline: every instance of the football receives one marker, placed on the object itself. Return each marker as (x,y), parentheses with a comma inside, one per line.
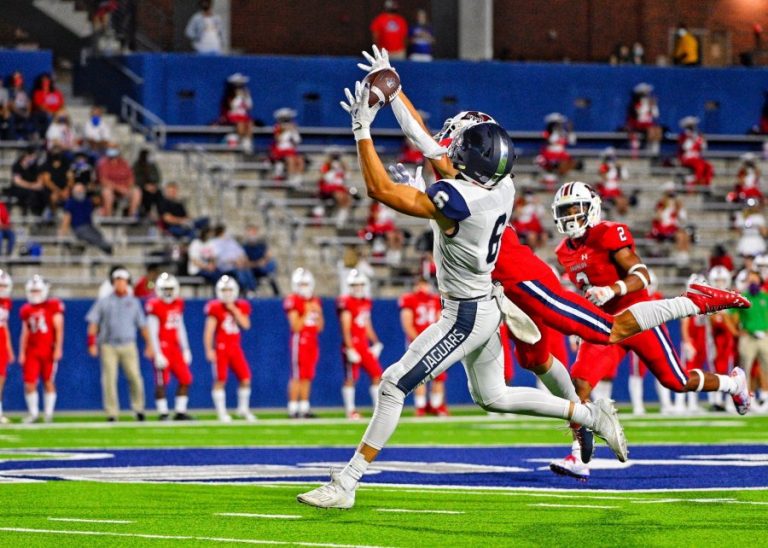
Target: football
(385,85)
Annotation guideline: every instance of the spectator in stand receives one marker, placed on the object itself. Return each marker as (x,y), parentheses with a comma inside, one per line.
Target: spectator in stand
(527,216)
(20,106)
(621,55)
(78,217)
(333,185)
(57,176)
(117,182)
(554,158)
(420,38)
(749,180)
(283,151)
(206,30)
(686,47)
(102,14)
(638,54)
(149,179)
(751,223)
(721,257)
(6,119)
(690,147)
(236,109)
(82,172)
(762,127)
(352,259)
(260,259)
(389,30)
(97,133)
(668,223)
(26,187)
(173,214)
(6,233)
(643,119)
(201,255)
(386,239)
(612,175)
(61,134)
(145,286)
(47,100)
(232,260)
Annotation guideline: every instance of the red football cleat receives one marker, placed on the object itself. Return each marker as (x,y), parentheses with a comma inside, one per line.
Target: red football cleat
(709,299)
(421,411)
(442,411)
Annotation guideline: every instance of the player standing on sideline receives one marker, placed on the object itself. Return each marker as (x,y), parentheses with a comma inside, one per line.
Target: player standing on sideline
(165,319)
(40,346)
(725,333)
(225,317)
(467,216)
(361,345)
(419,310)
(6,346)
(695,340)
(305,316)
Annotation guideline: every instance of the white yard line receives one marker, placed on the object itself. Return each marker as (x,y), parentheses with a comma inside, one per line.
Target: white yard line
(408,511)
(545,505)
(81,520)
(180,537)
(264,516)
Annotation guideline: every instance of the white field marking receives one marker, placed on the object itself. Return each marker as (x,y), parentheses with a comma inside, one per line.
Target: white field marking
(669,424)
(12,439)
(407,511)
(180,537)
(81,520)
(264,516)
(704,501)
(546,505)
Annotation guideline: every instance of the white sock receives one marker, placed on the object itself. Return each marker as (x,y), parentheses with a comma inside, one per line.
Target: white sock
(180,404)
(219,398)
(636,391)
(373,390)
(293,408)
(680,401)
(576,449)
(49,403)
(558,381)
(727,384)
(582,415)
(303,407)
(353,471)
(162,406)
(33,402)
(348,395)
(420,401)
(243,399)
(1,409)
(693,400)
(650,314)
(435,400)
(665,398)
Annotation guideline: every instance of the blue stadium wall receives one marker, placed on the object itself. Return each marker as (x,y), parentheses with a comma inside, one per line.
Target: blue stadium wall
(29,63)
(186,89)
(266,347)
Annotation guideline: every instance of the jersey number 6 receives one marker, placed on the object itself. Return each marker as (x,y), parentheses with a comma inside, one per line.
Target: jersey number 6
(493,244)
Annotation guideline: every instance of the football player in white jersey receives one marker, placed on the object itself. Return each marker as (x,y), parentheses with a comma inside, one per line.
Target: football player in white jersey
(468,215)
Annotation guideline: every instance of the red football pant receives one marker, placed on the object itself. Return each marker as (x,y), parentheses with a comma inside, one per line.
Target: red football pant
(700,359)
(368,363)
(37,367)
(724,354)
(176,365)
(304,356)
(231,356)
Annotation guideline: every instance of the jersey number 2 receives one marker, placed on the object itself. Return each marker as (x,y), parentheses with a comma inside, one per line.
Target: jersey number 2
(493,244)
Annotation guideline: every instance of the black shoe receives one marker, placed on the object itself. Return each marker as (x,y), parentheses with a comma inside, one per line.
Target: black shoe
(182,417)
(293,416)
(140,417)
(163,417)
(717,408)
(309,415)
(111,419)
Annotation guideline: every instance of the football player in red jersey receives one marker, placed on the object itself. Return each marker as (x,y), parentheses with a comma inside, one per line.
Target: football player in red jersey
(305,316)
(165,318)
(695,338)
(419,310)
(40,347)
(225,317)
(725,332)
(361,346)
(6,347)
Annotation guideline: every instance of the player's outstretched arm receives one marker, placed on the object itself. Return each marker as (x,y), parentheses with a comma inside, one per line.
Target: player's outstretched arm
(414,128)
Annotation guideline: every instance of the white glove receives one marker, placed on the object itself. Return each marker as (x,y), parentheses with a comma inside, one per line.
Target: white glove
(518,322)
(362,114)
(353,356)
(376,349)
(161,362)
(379,60)
(689,350)
(187,355)
(400,174)
(599,295)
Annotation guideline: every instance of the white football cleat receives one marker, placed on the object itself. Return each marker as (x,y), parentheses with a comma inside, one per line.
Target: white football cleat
(570,466)
(226,418)
(247,416)
(606,426)
(330,495)
(4,419)
(742,398)
(30,419)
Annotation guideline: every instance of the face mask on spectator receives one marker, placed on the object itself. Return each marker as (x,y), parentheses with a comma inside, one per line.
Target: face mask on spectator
(95,120)
(78,195)
(113,152)
(754,288)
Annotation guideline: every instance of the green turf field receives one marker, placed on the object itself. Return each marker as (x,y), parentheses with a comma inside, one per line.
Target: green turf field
(86,513)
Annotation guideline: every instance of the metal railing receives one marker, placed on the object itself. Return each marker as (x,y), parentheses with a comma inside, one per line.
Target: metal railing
(143,121)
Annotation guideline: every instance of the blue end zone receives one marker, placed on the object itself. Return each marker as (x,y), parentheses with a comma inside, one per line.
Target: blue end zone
(658,467)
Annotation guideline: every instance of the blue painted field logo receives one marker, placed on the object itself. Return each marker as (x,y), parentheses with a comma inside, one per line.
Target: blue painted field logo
(662,467)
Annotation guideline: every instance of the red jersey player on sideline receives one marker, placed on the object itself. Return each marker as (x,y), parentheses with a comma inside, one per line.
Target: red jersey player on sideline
(6,347)
(725,332)
(361,346)
(165,318)
(40,347)
(225,317)
(694,338)
(305,316)
(419,310)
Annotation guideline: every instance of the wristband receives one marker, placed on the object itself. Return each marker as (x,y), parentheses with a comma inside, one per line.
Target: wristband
(91,340)
(622,287)
(362,133)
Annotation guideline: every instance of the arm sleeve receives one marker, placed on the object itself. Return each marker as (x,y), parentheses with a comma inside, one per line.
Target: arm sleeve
(413,130)
(153,323)
(449,201)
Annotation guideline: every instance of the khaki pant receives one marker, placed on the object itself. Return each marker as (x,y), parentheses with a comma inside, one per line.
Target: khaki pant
(750,349)
(127,356)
